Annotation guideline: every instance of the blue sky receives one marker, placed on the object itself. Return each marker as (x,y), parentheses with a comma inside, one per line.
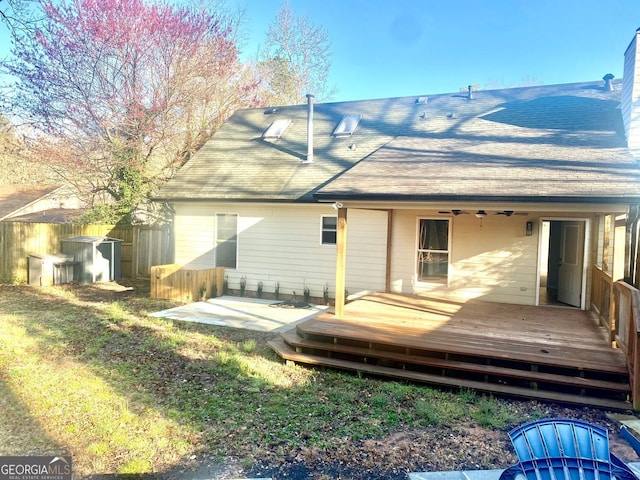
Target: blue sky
(415,47)
(412,47)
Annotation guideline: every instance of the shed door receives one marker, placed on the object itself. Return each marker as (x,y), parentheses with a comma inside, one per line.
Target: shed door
(571,263)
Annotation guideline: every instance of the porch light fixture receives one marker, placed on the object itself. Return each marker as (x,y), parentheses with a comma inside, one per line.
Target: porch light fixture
(481,214)
(337,206)
(529,229)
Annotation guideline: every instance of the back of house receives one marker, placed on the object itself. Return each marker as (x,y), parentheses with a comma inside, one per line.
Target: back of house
(516,195)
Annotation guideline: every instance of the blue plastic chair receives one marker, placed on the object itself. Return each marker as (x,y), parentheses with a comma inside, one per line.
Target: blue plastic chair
(564,449)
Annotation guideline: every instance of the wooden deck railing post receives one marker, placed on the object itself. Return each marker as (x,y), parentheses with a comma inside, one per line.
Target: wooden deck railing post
(634,346)
(341,262)
(635,376)
(627,333)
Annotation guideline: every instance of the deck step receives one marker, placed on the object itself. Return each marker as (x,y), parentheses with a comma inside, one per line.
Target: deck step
(409,360)
(380,336)
(288,353)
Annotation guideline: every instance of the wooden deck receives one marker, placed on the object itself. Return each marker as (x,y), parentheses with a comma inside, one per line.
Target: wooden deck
(550,353)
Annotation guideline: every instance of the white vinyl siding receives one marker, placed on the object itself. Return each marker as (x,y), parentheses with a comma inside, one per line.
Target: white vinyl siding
(630,97)
(279,244)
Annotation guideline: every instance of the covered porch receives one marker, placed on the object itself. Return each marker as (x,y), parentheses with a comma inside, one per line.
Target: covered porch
(484,325)
(548,353)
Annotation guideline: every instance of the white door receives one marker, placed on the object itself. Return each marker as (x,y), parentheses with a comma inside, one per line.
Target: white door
(571,263)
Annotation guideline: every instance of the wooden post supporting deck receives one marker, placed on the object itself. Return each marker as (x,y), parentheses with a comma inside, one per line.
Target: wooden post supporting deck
(341,262)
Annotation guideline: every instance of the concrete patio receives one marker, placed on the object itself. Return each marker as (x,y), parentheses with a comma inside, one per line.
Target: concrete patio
(241,312)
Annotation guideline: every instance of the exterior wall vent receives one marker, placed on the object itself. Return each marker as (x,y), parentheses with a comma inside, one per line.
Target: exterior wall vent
(608,87)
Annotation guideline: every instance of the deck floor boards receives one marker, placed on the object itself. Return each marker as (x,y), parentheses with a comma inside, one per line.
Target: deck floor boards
(552,335)
(553,353)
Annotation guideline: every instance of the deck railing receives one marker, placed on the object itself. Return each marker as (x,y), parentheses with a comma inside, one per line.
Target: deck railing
(602,299)
(627,334)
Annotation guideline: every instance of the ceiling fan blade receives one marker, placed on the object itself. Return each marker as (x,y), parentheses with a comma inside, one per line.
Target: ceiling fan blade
(508,213)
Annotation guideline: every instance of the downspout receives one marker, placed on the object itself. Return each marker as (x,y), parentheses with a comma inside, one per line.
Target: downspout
(310,98)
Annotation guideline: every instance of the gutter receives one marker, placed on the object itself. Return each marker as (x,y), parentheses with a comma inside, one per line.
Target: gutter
(342,197)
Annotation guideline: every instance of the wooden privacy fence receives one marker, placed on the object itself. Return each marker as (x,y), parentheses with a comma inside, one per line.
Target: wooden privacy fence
(142,245)
(627,332)
(173,282)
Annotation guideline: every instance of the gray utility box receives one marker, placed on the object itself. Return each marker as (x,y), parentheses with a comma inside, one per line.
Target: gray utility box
(51,269)
(98,258)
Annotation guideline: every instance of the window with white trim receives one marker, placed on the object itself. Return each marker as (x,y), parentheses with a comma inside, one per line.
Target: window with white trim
(226,247)
(328,229)
(433,250)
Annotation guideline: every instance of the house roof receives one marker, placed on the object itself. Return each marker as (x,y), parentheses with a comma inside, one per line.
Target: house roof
(16,197)
(555,143)
(52,215)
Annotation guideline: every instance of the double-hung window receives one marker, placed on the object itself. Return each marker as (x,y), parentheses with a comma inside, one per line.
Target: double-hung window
(328,230)
(226,247)
(433,250)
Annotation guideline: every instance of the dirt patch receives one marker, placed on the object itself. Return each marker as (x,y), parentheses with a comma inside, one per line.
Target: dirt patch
(459,447)
(432,449)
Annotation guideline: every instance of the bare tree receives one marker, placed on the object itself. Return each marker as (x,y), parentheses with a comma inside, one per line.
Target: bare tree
(18,14)
(295,60)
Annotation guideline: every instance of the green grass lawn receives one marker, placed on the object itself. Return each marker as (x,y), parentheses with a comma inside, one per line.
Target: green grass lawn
(85,372)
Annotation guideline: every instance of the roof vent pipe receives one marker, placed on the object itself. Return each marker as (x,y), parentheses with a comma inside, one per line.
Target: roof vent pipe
(608,87)
(470,94)
(310,98)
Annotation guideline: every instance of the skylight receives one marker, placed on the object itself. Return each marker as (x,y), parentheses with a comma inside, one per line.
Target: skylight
(347,125)
(277,128)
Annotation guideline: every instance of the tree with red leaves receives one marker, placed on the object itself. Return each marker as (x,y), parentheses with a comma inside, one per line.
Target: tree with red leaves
(122,92)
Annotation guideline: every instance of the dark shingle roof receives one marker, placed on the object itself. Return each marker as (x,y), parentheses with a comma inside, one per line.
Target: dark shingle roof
(560,142)
(52,215)
(15,197)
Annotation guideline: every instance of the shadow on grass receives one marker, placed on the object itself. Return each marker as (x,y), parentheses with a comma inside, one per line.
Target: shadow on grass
(22,433)
(188,397)
(192,375)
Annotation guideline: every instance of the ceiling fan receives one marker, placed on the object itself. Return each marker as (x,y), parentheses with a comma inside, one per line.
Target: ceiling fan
(454,212)
(508,213)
